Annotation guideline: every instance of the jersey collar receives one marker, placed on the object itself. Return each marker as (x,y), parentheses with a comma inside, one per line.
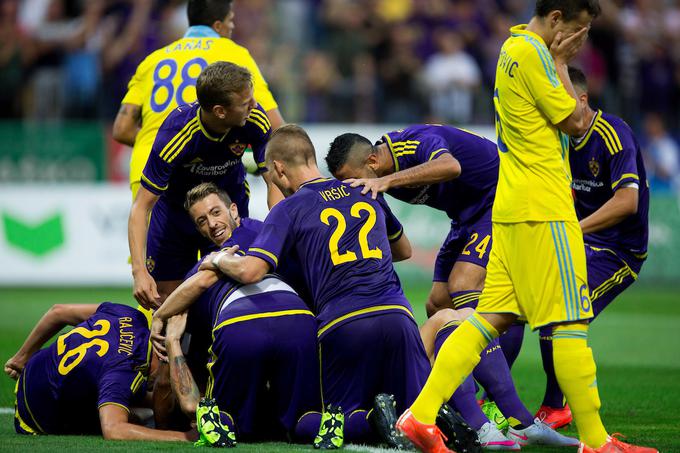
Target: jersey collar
(314,181)
(582,141)
(205,131)
(201,31)
(521,30)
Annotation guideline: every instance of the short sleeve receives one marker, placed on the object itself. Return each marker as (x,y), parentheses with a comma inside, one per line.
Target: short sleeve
(260,130)
(116,387)
(430,148)
(623,164)
(394,228)
(137,87)
(545,86)
(274,239)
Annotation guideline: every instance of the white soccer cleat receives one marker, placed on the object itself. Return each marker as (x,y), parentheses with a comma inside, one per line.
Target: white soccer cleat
(541,434)
(491,438)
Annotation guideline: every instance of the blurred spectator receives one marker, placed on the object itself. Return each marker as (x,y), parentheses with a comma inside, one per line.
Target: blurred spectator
(662,154)
(16,52)
(451,77)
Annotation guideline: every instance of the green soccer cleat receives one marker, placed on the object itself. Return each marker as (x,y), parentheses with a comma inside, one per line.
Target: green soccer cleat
(212,432)
(331,432)
(495,415)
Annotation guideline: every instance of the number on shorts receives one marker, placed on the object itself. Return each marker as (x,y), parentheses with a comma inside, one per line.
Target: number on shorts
(480,248)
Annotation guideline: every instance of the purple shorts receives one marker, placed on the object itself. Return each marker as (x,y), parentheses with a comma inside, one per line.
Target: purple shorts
(470,243)
(610,272)
(266,370)
(372,355)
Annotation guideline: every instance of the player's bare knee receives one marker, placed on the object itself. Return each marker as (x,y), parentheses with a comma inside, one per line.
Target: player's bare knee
(443,316)
(500,321)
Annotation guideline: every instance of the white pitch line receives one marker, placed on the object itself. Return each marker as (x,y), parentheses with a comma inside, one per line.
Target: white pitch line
(366,448)
(6,410)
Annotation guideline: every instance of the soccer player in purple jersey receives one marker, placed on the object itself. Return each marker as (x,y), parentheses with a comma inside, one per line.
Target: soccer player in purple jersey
(262,363)
(368,339)
(612,204)
(198,142)
(88,379)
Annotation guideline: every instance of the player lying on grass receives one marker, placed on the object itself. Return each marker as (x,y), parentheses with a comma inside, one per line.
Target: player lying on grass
(198,142)
(263,364)
(612,204)
(87,380)
(368,340)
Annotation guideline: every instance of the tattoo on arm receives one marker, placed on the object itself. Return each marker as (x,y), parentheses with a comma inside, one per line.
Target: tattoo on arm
(183,382)
(130,110)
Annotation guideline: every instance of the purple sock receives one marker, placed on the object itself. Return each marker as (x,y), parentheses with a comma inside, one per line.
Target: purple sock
(511,342)
(493,374)
(464,399)
(357,428)
(465,299)
(307,427)
(553,394)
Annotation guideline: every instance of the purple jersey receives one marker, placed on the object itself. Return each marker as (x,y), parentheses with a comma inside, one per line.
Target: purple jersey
(342,239)
(185,154)
(103,360)
(463,199)
(606,159)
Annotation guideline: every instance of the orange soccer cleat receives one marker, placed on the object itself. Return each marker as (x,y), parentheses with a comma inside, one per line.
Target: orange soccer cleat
(427,438)
(555,417)
(614,445)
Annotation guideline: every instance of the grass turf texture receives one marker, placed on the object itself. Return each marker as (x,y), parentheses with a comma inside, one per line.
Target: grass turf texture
(636,344)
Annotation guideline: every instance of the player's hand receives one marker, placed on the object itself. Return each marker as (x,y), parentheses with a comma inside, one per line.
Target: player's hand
(145,291)
(14,366)
(175,328)
(157,339)
(373,185)
(565,47)
(210,262)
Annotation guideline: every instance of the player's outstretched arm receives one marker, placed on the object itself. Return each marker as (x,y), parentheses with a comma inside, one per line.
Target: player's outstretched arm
(401,249)
(443,168)
(181,380)
(145,290)
(244,269)
(624,203)
(127,124)
(115,425)
(50,324)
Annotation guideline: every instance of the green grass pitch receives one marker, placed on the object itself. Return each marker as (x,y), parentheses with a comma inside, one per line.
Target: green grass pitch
(636,344)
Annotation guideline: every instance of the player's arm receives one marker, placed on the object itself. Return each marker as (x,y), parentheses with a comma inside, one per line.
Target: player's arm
(623,204)
(444,168)
(245,269)
(145,290)
(274,195)
(127,124)
(563,51)
(275,118)
(50,324)
(182,381)
(401,249)
(115,425)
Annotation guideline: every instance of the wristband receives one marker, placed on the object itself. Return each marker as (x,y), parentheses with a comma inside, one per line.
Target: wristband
(216,259)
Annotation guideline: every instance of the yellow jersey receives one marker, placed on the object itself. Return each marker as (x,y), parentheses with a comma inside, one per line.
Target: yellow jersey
(534,181)
(167,78)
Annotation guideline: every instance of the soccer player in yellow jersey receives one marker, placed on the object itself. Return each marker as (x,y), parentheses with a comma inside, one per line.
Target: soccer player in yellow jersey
(167,78)
(537,266)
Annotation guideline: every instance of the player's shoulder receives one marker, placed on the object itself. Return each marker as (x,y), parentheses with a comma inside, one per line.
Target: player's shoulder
(114,309)
(180,116)
(227,45)
(614,132)
(258,123)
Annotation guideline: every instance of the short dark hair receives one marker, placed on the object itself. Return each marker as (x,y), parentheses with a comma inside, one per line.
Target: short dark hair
(578,78)
(570,9)
(206,12)
(290,144)
(218,81)
(339,151)
(201,191)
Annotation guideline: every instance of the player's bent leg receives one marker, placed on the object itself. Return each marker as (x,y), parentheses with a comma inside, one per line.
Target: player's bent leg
(511,341)
(438,299)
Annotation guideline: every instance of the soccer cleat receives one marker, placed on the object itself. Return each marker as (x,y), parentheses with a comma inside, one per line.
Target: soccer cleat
(491,438)
(461,437)
(555,417)
(331,432)
(210,428)
(614,445)
(494,414)
(426,438)
(383,419)
(540,434)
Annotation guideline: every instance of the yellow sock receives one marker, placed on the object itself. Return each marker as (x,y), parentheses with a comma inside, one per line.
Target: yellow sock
(575,371)
(457,358)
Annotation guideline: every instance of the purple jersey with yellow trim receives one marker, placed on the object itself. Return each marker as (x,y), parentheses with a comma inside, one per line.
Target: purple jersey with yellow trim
(607,159)
(342,239)
(463,199)
(101,361)
(185,154)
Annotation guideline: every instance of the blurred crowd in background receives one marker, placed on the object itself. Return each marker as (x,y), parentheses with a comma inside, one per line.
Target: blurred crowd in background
(393,61)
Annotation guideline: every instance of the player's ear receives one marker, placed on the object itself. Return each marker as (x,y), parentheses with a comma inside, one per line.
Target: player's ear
(372,161)
(219,111)
(233,209)
(279,168)
(554,17)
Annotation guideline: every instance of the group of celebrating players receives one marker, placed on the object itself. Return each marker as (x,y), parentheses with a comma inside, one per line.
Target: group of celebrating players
(297,327)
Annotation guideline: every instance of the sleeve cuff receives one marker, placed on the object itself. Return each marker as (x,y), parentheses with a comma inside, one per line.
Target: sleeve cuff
(264,255)
(625,179)
(396,236)
(152,187)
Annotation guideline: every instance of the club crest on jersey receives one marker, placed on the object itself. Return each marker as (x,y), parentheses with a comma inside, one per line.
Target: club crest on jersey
(594,167)
(150,264)
(237,148)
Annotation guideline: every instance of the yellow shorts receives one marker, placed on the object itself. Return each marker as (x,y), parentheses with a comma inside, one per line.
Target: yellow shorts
(537,270)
